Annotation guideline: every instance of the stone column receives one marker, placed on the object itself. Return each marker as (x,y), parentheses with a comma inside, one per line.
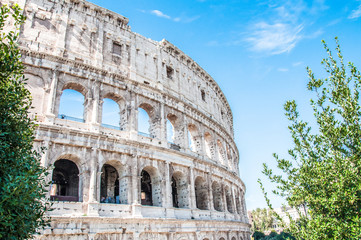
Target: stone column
(96,116)
(52,96)
(192,194)
(168,188)
(93,175)
(210,192)
(163,127)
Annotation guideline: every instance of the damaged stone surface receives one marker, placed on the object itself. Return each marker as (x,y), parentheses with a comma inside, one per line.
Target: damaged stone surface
(114,182)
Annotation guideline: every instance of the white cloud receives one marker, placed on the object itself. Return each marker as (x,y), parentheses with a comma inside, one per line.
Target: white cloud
(160,14)
(183,19)
(282,69)
(274,38)
(355,13)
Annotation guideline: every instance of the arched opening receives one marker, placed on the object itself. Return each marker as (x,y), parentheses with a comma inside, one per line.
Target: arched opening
(110,114)
(170,132)
(146,127)
(109,185)
(180,190)
(194,140)
(65,181)
(208,145)
(238,204)
(146,189)
(222,238)
(201,193)
(217,196)
(233,238)
(175,193)
(151,187)
(229,200)
(71,106)
(221,153)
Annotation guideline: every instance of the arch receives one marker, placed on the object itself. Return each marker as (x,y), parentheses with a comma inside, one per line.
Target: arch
(194,140)
(65,181)
(209,148)
(229,199)
(217,196)
(170,131)
(233,238)
(146,126)
(71,105)
(114,112)
(109,185)
(222,238)
(180,190)
(201,191)
(151,189)
(238,203)
(221,152)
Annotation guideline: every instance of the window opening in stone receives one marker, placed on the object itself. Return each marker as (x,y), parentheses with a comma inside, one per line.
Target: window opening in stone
(65,181)
(238,205)
(201,193)
(146,189)
(193,139)
(110,114)
(229,200)
(217,196)
(109,186)
(221,153)
(144,123)
(182,197)
(203,95)
(71,105)
(170,72)
(170,132)
(208,144)
(117,48)
(174,193)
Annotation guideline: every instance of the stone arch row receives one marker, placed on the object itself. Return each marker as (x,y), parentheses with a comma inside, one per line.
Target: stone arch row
(114,185)
(187,133)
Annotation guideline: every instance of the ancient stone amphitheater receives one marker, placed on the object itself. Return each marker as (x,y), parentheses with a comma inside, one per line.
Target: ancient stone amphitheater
(113,181)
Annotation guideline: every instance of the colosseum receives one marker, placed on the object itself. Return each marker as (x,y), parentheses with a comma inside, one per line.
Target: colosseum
(176,180)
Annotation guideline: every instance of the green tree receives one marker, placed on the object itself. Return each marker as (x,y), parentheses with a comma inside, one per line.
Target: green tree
(22,184)
(262,219)
(323,177)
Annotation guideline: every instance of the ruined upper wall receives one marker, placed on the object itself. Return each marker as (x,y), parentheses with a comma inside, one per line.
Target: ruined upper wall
(83,32)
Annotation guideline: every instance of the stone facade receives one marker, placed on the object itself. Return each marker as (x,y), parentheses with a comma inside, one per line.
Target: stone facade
(114,182)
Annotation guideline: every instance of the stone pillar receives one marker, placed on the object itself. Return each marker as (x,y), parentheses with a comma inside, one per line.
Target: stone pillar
(163,126)
(52,96)
(168,188)
(96,116)
(210,192)
(93,176)
(192,193)
(132,109)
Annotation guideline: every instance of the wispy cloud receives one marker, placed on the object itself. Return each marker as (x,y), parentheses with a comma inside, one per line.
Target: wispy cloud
(282,25)
(282,69)
(274,38)
(355,13)
(160,14)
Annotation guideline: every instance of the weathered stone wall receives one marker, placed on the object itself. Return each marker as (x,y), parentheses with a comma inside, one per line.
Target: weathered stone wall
(191,184)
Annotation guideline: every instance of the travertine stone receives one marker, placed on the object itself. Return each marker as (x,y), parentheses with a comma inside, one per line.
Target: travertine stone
(105,174)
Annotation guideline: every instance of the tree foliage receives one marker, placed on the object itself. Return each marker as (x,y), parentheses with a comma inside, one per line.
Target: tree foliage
(262,219)
(323,176)
(22,184)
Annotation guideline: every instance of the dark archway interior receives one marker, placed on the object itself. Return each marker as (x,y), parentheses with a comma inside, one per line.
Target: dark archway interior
(109,187)
(146,189)
(175,193)
(65,181)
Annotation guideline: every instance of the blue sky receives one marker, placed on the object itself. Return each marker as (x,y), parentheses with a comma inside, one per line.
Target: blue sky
(257,51)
